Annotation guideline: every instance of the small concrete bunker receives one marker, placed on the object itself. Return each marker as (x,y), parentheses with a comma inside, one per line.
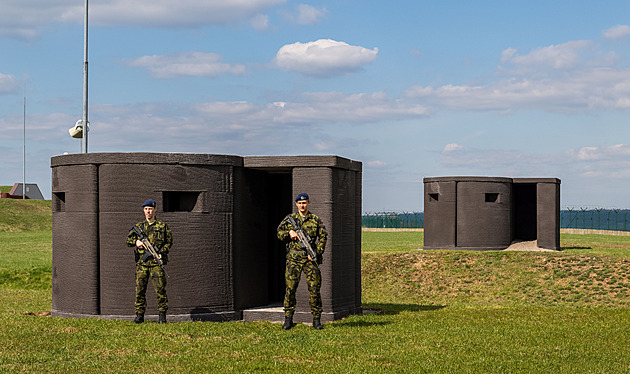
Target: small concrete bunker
(226,262)
(489,213)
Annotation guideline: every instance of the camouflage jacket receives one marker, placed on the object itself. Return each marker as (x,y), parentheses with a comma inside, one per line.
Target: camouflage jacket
(158,234)
(312,225)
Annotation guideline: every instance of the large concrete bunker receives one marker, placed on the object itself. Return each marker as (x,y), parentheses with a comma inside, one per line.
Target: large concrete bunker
(226,262)
(489,213)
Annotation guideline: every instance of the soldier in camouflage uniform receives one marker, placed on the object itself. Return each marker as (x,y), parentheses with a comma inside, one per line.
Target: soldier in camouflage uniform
(298,260)
(160,236)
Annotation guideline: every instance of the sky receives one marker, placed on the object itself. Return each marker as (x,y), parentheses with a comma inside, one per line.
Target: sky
(410,88)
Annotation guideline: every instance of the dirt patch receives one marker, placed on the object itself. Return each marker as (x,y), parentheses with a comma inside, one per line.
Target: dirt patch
(530,245)
(40,314)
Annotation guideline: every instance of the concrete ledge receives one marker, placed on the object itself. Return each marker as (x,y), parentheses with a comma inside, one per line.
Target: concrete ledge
(275,313)
(162,158)
(211,317)
(468,179)
(288,162)
(465,248)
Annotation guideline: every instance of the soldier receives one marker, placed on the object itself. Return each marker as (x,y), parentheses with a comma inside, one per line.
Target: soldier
(160,237)
(298,260)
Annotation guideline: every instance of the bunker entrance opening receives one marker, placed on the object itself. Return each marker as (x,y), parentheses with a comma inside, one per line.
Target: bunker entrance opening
(525,211)
(280,191)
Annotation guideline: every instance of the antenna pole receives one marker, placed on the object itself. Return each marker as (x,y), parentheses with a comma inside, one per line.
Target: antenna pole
(24,155)
(84,140)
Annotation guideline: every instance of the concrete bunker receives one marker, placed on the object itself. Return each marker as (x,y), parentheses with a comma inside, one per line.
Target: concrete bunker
(223,210)
(489,213)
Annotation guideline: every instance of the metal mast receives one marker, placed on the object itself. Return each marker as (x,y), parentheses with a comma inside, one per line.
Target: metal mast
(84,140)
(24,155)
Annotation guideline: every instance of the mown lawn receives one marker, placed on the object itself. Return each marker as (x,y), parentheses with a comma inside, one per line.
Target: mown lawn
(25,215)
(426,312)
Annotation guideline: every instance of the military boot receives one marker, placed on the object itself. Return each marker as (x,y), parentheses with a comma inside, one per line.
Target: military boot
(162,317)
(288,322)
(317,324)
(139,318)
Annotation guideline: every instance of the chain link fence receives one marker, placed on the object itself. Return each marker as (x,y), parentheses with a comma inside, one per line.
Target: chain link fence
(393,220)
(591,219)
(595,219)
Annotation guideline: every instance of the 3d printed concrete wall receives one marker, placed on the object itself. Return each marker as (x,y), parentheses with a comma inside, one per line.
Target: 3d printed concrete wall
(489,213)
(226,262)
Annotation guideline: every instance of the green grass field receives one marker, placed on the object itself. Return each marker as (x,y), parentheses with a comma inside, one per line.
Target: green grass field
(25,215)
(425,312)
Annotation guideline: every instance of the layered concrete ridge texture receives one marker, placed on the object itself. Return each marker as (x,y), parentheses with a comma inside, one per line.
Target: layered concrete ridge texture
(223,210)
(491,213)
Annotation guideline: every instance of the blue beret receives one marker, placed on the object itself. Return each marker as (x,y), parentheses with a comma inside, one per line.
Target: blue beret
(149,202)
(302,196)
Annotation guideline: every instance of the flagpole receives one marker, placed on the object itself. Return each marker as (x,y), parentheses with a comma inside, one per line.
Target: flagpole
(84,140)
(24,155)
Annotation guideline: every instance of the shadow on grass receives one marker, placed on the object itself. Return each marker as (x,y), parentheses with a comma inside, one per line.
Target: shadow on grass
(397,308)
(574,247)
(345,323)
(386,309)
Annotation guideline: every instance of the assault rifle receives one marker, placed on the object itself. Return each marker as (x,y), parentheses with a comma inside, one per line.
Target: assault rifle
(304,239)
(150,250)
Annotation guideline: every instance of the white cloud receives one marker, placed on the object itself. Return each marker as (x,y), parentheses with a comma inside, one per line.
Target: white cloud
(575,76)
(307,15)
(601,153)
(329,107)
(453,147)
(40,127)
(560,56)
(589,88)
(19,32)
(260,22)
(324,57)
(609,162)
(588,153)
(8,83)
(233,127)
(377,164)
(338,107)
(237,127)
(24,22)
(186,64)
(507,54)
(21,21)
(617,32)
(592,162)
(181,13)
(504,162)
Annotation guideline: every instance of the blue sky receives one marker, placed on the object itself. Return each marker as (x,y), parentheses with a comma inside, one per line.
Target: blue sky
(412,89)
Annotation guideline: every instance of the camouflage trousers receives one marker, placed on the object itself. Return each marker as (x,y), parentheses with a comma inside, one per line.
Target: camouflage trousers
(313,277)
(158,278)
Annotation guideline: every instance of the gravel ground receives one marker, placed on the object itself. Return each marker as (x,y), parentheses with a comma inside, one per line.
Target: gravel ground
(531,245)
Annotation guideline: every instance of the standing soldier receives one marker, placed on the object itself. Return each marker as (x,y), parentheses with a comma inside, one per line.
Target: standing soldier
(159,235)
(298,259)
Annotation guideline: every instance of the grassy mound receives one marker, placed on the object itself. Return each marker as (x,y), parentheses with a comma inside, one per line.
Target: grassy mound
(498,279)
(25,215)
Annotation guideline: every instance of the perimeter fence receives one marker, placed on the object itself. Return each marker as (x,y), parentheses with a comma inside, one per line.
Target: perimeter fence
(581,218)
(595,219)
(393,220)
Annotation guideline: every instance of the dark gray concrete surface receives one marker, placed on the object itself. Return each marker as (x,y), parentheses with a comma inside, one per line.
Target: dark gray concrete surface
(489,213)
(226,262)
